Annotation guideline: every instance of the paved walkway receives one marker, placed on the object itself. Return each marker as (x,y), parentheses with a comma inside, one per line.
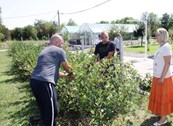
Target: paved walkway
(142,65)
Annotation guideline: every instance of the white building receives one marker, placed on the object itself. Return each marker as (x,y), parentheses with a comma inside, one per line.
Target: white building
(88,33)
(70,31)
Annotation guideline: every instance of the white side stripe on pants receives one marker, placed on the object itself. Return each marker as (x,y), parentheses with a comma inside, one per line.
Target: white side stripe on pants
(51,99)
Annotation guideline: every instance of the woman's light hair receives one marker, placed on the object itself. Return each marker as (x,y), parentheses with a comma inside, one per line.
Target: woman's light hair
(163,33)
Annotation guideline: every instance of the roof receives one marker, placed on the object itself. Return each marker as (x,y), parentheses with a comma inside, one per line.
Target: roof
(98,28)
(94,28)
(70,29)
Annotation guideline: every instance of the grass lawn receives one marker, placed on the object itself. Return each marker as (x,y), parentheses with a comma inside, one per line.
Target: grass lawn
(15,108)
(141,49)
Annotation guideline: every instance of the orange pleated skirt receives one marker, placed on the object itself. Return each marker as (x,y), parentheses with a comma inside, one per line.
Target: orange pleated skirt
(161,97)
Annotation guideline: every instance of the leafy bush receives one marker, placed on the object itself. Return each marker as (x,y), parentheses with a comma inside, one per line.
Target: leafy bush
(99,93)
(145,84)
(24,56)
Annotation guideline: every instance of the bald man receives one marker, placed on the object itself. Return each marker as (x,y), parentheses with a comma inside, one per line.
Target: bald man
(104,49)
(45,77)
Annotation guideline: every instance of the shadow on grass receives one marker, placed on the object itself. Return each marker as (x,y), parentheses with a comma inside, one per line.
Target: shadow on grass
(23,104)
(7,81)
(151,120)
(135,46)
(22,115)
(10,79)
(26,106)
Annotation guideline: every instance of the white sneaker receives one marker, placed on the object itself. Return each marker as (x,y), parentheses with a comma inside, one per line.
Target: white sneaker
(154,115)
(159,124)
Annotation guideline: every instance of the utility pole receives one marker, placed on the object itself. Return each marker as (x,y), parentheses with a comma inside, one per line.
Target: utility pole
(146,42)
(121,48)
(59,27)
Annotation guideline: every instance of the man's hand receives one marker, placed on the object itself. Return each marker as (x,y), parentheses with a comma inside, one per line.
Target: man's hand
(71,75)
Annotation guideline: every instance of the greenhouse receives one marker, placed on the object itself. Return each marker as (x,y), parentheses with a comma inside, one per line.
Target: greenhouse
(88,33)
(70,31)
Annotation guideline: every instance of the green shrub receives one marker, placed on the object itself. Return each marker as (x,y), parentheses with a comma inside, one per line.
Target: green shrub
(99,93)
(24,57)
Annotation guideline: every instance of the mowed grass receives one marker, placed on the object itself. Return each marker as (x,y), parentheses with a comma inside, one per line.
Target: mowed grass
(15,107)
(141,49)
(152,48)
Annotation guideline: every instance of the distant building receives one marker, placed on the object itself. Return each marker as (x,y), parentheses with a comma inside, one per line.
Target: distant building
(88,33)
(70,31)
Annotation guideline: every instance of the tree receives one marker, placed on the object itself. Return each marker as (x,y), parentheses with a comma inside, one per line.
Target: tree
(4,33)
(29,33)
(165,21)
(171,21)
(122,21)
(114,31)
(104,22)
(45,29)
(1,34)
(170,35)
(39,26)
(140,32)
(71,23)
(152,23)
(17,34)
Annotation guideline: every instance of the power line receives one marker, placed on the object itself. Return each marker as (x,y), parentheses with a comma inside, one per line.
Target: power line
(55,11)
(87,8)
(29,15)
(54,17)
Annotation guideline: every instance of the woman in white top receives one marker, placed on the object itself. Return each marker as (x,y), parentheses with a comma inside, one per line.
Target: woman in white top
(161,94)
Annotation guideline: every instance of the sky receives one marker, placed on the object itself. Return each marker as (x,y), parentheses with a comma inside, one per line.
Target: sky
(20,13)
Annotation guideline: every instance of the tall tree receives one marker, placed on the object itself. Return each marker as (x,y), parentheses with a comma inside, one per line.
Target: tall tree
(165,21)
(29,33)
(171,28)
(171,21)
(153,23)
(140,31)
(123,21)
(104,22)
(45,29)
(17,34)
(71,23)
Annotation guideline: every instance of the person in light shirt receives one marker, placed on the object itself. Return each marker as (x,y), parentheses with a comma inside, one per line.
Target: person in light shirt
(98,40)
(161,94)
(117,43)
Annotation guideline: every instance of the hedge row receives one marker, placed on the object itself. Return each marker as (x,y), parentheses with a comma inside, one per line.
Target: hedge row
(99,93)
